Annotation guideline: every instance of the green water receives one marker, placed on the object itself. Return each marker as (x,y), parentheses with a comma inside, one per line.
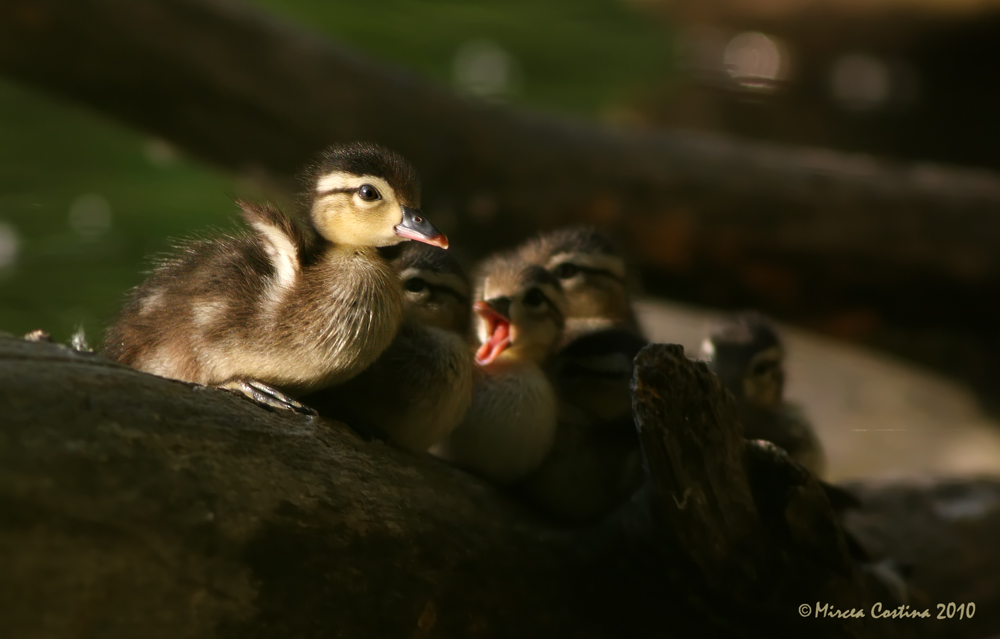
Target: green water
(84,201)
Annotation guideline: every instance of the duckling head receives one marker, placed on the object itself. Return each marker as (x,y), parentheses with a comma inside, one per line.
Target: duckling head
(362,194)
(590,269)
(520,312)
(437,289)
(745,351)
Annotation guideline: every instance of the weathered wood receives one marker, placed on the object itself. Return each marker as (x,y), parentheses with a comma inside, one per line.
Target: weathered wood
(751,525)
(132,505)
(847,244)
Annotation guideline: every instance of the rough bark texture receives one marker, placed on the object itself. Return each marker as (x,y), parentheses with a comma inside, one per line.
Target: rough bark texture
(848,244)
(737,518)
(138,506)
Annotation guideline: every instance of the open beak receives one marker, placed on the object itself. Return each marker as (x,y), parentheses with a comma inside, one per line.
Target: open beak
(495,314)
(415,226)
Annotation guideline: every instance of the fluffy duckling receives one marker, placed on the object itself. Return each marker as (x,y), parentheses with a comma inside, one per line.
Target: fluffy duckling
(421,386)
(595,462)
(595,372)
(593,276)
(279,310)
(509,428)
(747,354)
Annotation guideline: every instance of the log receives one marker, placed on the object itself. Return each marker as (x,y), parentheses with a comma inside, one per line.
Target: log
(903,255)
(138,506)
(728,512)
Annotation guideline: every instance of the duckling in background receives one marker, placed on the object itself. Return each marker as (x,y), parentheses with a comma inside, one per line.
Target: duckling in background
(746,353)
(594,365)
(421,386)
(280,310)
(593,276)
(509,428)
(595,463)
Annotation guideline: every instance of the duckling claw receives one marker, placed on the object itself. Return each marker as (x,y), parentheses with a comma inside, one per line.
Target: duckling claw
(265,396)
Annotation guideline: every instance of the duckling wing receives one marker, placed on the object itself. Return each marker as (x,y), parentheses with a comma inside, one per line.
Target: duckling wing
(787,428)
(416,392)
(281,239)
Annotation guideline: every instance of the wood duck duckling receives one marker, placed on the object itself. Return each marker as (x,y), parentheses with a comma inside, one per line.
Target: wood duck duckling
(509,428)
(593,276)
(421,386)
(279,310)
(602,337)
(747,354)
(595,463)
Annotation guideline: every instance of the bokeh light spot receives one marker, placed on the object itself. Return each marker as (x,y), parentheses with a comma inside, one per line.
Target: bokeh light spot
(860,82)
(485,69)
(90,215)
(159,152)
(756,61)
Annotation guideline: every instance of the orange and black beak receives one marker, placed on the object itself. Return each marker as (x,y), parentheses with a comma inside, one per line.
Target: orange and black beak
(415,226)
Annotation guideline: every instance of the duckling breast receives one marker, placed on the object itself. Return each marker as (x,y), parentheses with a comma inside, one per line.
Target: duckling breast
(343,314)
(510,426)
(434,372)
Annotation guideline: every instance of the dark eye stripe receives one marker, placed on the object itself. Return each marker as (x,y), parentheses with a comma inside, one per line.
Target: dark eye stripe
(596,271)
(346,189)
(552,305)
(448,291)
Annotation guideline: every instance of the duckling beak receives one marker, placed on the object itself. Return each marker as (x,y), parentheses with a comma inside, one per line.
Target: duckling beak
(496,315)
(415,226)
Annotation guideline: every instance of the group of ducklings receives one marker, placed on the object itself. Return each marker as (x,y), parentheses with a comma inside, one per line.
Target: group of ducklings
(342,315)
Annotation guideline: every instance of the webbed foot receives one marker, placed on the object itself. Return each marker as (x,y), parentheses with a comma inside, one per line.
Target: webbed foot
(264,395)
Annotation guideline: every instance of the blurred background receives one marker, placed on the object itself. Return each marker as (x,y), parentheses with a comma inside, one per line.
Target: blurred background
(85,201)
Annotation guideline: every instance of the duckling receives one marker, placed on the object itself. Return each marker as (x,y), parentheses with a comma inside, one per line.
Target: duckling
(596,372)
(595,462)
(509,428)
(593,276)
(747,354)
(421,386)
(280,310)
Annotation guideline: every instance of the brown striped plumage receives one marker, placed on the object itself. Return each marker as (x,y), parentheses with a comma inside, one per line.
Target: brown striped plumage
(276,306)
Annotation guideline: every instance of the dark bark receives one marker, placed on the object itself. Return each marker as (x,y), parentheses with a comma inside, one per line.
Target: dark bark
(138,506)
(736,517)
(900,254)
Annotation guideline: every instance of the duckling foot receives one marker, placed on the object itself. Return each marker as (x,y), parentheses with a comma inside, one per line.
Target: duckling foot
(264,395)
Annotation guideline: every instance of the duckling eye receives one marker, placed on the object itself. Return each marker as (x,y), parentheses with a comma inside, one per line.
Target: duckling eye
(415,285)
(368,193)
(534,298)
(566,270)
(762,368)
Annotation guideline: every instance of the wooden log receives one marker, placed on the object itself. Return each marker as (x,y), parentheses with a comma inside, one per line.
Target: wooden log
(131,505)
(848,244)
(738,517)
